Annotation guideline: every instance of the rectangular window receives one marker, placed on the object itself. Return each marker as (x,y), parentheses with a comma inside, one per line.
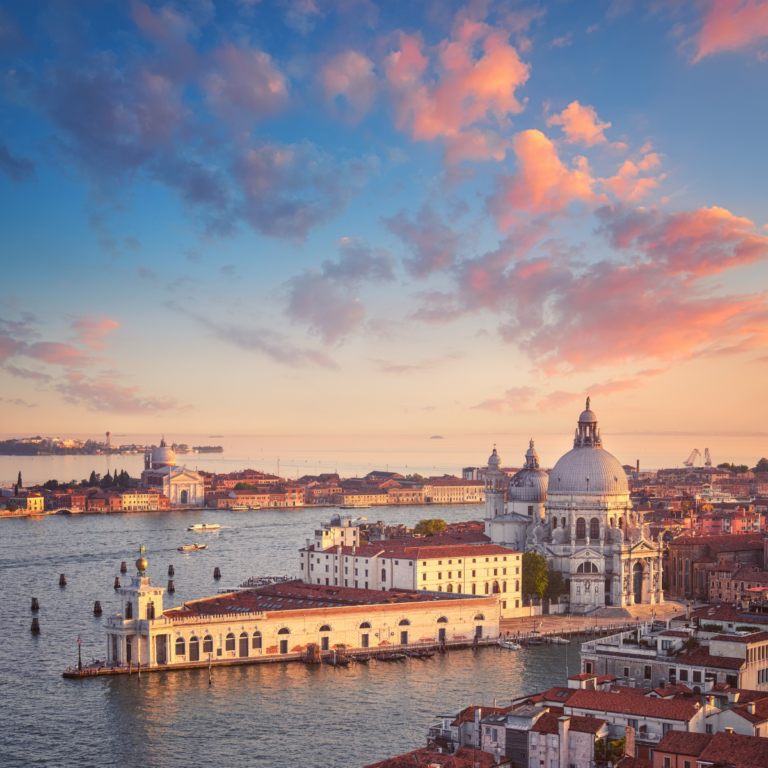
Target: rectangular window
(686,764)
(473,574)
(647,673)
(423,576)
(667,761)
(449,574)
(459,576)
(626,671)
(632,723)
(697,677)
(684,675)
(665,728)
(439,575)
(708,729)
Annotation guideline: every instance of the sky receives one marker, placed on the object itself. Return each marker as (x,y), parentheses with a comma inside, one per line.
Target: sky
(359,217)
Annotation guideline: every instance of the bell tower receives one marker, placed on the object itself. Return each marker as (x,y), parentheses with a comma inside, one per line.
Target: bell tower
(495,483)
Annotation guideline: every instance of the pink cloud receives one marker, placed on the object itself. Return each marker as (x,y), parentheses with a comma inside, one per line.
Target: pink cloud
(477,73)
(245,83)
(731,25)
(58,353)
(327,300)
(91,331)
(543,184)
(433,243)
(104,394)
(557,400)
(9,347)
(350,74)
(627,184)
(513,399)
(580,125)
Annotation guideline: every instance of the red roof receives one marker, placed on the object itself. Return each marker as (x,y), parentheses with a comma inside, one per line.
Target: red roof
(760,713)
(755,637)
(605,701)
(463,758)
(735,749)
(297,596)
(701,657)
(468,715)
(684,743)
(634,762)
(548,723)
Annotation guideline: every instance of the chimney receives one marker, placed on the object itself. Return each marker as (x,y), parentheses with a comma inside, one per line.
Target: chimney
(751,707)
(711,701)
(307,540)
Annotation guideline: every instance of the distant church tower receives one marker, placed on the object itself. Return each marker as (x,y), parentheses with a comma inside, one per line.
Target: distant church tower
(495,484)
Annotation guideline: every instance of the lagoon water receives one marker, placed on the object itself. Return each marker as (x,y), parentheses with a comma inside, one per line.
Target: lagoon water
(262,715)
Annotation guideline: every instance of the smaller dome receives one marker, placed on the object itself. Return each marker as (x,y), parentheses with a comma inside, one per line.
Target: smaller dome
(588,416)
(530,483)
(494,461)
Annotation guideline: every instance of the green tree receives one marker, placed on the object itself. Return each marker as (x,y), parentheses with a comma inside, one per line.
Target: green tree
(426,527)
(94,478)
(245,487)
(762,466)
(106,481)
(555,584)
(18,482)
(415,476)
(535,574)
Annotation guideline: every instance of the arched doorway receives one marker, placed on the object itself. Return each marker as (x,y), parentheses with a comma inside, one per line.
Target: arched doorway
(184,497)
(442,621)
(637,582)
(243,650)
(194,649)
(404,632)
(284,641)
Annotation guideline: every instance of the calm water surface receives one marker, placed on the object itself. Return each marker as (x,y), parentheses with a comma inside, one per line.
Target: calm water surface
(267,715)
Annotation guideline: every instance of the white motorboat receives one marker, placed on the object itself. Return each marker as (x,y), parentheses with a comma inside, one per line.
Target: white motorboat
(560,640)
(510,645)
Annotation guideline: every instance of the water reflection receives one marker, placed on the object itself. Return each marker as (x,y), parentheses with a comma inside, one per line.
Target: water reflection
(267,715)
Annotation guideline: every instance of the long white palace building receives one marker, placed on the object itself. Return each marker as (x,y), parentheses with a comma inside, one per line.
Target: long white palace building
(282,619)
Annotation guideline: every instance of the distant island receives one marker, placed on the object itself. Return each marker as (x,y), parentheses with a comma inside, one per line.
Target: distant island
(437,437)
(208,449)
(215,435)
(55,446)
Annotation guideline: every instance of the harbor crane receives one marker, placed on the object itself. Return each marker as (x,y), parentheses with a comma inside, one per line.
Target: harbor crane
(707,458)
(695,453)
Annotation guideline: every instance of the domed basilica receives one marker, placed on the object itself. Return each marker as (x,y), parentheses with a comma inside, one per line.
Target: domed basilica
(183,487)
(581,519)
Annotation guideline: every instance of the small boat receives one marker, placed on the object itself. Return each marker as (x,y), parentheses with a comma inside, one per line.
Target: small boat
(204,527)
(510,645)
(560,640)
(391,656)
(360,659)
(192,547)
(355,506)
(239,508)
(337,660)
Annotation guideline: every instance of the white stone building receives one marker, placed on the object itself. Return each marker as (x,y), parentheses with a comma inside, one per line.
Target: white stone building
(591,532)
(283,619)
(183,487)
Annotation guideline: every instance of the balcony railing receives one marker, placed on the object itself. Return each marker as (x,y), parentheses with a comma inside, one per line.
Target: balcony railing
(439,733)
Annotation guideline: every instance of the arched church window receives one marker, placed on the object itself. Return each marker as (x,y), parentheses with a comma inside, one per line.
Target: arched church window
(594,528)
(581,528)
(208,644)
(230,646)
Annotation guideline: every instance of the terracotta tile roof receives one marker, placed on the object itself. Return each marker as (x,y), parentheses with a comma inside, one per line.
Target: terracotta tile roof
(463,758)
(671,690)
(583,676)
(760,708)
(559,695)
(629,690)
(606,679)
(702,658)
(684,743)
(735,749)
(717,541)
(548,723)
(634,762)
(605,701)
(296,596)
(755,637)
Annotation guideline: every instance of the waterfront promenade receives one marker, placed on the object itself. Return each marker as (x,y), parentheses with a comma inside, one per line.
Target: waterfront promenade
(606,617)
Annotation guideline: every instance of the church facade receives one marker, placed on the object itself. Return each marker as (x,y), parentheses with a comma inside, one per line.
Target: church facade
(581,520)
(183,487)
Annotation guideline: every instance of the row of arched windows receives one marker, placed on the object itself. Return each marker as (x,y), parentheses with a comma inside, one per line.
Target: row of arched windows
(229,645)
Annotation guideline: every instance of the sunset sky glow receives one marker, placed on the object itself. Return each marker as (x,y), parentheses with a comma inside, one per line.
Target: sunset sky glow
(357,217)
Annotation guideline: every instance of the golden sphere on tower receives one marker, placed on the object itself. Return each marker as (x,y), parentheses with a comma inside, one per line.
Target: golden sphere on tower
(141,564)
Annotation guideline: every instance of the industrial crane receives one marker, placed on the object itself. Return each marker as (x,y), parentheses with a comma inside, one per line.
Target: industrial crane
(707,458)
(695,453)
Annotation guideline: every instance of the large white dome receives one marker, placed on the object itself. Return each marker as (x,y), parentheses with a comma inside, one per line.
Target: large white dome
(588,468)
(163,456)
